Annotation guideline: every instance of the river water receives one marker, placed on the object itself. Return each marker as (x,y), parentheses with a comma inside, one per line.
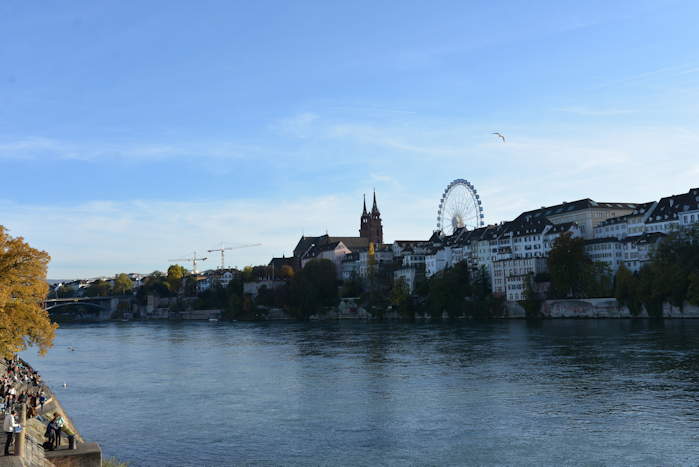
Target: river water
(565,392)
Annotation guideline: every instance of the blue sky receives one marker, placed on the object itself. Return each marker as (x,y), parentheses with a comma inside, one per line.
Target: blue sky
(134,132)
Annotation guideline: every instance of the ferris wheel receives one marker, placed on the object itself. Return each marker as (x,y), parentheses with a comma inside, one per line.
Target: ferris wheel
(459,207)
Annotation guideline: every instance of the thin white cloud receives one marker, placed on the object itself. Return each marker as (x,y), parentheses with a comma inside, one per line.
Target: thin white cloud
(592,112)
(40,148)
(299,125)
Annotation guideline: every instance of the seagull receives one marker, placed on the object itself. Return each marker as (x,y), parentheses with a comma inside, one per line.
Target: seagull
(503,138)
(65,385)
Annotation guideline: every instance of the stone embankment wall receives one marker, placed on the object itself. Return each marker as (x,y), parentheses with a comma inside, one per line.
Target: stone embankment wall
(593,308)
(599,308)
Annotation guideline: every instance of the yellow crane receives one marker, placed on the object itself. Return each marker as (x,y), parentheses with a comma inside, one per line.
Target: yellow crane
(223,249)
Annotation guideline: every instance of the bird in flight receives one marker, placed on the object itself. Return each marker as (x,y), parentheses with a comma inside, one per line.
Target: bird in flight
(502,137)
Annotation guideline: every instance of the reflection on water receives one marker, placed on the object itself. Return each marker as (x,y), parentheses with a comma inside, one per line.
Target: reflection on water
(607,392)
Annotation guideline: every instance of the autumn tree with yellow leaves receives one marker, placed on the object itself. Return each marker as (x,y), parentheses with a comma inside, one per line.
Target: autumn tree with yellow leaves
(23,321)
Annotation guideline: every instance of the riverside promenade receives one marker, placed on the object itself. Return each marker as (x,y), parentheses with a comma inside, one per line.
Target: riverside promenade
(21,377)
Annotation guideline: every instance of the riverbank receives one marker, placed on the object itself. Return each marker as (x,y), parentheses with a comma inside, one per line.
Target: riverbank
(28,386)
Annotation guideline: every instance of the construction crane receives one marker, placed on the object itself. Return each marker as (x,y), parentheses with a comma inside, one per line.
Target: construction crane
(193,259)
(224,249)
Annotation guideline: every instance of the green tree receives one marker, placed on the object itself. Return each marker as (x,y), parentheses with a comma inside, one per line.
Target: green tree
(122,284)
(624,286)
(352,287)
(286,272)
(315,286)
(155,284)
(400,299)
(323,275)
(626,290)
(64,292)
(175,275)
(532,300)
(23,288)
(569,267)
(650,290)
(98,288)
(448,290)
(303,295)
(693,288)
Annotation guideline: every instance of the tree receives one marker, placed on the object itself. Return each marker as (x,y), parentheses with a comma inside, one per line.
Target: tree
(98,288)
(400,298)
(303,297)
(122,284)
(532,300)
(323,275)
(23,288)
(155,284)
(693,288)
(286,272)
(569,267)
(352,287)
(313,287)
(175,274)
(675,258)
(448,290)
(64,292)
(649,291)
(626,290)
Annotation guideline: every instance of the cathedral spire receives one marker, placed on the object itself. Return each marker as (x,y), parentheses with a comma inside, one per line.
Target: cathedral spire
(370,224)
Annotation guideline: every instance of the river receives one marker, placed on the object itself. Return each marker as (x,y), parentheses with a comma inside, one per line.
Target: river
(560,392)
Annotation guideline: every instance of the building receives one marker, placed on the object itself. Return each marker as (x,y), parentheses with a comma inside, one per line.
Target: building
(340,250)
(370,226)
(333,251)
(631,238)
(215,278)
(350,266)
(510,276)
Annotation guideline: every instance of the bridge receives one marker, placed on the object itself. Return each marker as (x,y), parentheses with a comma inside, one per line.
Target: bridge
(91,308)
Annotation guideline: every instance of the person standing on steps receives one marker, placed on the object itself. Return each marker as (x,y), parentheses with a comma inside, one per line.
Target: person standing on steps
(58,420)
(9,426)
(42,400)
(51,433)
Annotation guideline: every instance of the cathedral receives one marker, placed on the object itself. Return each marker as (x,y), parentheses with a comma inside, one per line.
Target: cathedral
(335,248)
(370,224)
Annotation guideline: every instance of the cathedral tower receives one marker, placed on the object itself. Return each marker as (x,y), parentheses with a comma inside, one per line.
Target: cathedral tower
(370,225)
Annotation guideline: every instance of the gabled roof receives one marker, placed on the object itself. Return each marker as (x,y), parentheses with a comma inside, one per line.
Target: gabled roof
(640,210)
(578,205)
(669,208)
(305,244)
(351,242)
(277,263)
(526,225)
